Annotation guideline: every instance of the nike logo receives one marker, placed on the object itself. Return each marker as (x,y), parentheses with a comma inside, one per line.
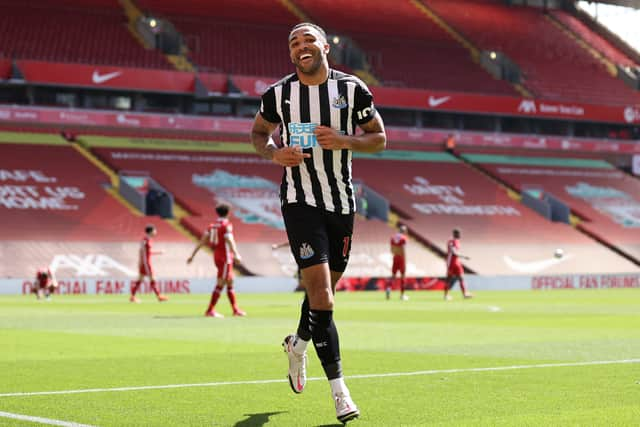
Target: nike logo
(286,101)
(534,266)
(434,102)
(98,78)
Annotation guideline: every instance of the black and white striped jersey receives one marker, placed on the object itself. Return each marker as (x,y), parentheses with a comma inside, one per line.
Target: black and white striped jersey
(342,102)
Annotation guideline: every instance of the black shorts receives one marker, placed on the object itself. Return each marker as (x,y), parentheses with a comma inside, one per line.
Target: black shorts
(317,236)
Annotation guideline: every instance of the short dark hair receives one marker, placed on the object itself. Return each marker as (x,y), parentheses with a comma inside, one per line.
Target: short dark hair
(456,232)
(222,209)
(309,24)
(149,228)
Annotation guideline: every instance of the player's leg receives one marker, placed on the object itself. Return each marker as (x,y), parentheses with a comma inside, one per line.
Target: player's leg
(154,286)
(136,285)
(231,294)
(465,293)
(304,225)
(403,282)
(340,232)
(215,295)
(450,283)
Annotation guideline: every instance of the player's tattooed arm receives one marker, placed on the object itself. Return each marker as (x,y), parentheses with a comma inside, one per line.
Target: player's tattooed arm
(267,148)
(373,140)
(261,137)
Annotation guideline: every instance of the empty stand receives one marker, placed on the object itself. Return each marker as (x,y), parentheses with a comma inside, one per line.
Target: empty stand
(62,196)
(438,193)
(604,197)
(554,65)
(602,45)
(199,180)
(240,37)
(72,32)
(405,47)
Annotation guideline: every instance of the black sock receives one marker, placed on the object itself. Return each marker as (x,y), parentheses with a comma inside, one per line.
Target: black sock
(325,340)
(304,330)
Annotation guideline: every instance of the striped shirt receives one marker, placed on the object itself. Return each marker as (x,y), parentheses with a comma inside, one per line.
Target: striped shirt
(342,103)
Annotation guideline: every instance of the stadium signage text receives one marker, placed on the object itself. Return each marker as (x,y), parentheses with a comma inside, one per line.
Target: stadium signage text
(585,282)
(108,287)
(451,200)
(33,196)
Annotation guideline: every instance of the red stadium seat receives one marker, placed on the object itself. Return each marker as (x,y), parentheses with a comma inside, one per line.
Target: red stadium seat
(555,67)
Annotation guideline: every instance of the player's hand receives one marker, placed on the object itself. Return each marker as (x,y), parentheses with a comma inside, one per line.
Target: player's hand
(238,259)
(289,156)
(274,246)
(329,138)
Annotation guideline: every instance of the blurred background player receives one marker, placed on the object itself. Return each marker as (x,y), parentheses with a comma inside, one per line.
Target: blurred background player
(219,236)
(144,265)
(45,283)
(398,245)
(455,270)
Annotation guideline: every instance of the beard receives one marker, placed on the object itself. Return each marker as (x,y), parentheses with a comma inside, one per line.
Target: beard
(313,68)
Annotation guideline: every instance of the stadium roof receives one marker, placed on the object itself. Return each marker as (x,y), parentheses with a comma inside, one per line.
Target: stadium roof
(629,3)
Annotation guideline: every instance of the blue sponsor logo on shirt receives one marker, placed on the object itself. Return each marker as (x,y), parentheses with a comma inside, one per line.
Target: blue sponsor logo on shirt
(302,134)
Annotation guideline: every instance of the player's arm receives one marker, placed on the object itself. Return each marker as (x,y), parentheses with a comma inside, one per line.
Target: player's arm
(232,244)
(201,243)
(265,146)
(373,140)
(54,282)
(457,253)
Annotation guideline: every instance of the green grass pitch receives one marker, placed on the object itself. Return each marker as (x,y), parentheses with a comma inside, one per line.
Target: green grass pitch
(537,348)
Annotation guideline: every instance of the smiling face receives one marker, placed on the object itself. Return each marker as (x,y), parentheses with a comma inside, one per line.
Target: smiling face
(308,50)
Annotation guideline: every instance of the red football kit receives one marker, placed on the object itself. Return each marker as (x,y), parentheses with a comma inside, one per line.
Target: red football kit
(454,266)
(144,259)
(222,253)
(43,278)
(398,240)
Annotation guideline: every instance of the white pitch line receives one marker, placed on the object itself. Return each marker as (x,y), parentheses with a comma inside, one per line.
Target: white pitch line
(363,376)
(41,420)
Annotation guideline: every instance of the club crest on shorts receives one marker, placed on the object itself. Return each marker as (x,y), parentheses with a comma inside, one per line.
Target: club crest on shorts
(306,251)
(339,102)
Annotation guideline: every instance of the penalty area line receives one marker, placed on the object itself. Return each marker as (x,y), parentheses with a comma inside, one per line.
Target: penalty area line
(362,376)
(41,420)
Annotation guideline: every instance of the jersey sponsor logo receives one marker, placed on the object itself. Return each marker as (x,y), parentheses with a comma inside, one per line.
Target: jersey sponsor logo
(302,134)
(306,251)
(98,78)
(364,113)
(435,102)
(339,102)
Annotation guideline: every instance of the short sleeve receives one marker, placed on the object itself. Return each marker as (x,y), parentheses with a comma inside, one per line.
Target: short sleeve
(363,104)
(268,108)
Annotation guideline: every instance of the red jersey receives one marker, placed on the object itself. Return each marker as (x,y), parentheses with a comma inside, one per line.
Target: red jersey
(144,258)
(453,262)
(218,232)
(398,240)
(43,277)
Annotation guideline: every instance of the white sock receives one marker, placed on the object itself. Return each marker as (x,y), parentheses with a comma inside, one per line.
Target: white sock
(338,386)
(299,345)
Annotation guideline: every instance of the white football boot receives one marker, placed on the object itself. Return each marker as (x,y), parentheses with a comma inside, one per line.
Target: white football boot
(297,365)
(346,410)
